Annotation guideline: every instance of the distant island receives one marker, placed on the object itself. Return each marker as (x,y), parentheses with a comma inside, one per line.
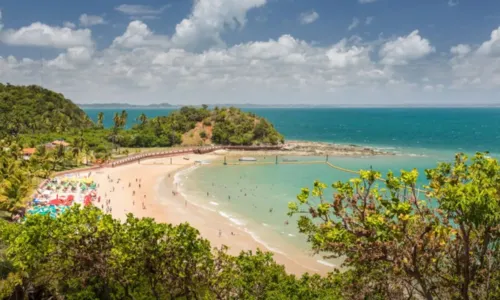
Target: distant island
(256,105)
(124,105)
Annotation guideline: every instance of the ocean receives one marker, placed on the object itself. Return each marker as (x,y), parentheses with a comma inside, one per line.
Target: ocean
(255,197)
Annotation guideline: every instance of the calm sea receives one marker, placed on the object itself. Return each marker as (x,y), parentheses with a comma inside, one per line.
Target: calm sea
(452,129)
(255,197)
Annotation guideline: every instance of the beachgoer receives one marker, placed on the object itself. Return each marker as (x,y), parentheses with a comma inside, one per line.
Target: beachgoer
(220,233)
(133,193)
(208,194)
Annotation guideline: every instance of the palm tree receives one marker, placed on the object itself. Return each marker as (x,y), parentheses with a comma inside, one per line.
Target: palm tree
(123,118)
(143,119)
(100,120)
(117,121)
(14,191)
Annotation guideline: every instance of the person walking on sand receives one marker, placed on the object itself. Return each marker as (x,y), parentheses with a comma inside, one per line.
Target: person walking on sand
(220,233)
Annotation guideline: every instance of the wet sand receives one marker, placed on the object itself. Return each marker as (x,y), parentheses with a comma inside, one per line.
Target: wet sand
(156,193)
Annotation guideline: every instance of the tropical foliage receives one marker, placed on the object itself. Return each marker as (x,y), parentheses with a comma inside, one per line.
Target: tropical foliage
(231,126)
(399,246)
(32,109)
(84,254)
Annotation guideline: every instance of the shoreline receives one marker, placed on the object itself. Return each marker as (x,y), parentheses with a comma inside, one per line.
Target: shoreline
(156,180)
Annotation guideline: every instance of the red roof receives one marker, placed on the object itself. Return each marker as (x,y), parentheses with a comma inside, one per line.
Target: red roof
(29,151)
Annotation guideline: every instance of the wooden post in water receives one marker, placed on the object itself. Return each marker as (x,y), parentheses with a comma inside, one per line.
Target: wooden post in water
(327,158)
(276,159)
(225,163)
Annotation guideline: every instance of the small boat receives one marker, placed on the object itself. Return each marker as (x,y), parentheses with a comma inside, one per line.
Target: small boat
(248,159)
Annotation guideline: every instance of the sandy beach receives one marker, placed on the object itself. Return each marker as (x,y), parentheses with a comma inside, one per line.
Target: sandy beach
(148,190)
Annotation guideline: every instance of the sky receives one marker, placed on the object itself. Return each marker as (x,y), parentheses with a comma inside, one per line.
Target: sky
(334,52)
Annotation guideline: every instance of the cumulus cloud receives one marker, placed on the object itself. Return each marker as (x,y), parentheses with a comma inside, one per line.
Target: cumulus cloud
(492,46)
(404,49)
(208,18)
(369,20)
(460,50)
(195,66)
(341,55)
(308,17)
(452,3)
(138,34)
(91,20)
(69,25)
(72,58)
(354,24)
(39,34)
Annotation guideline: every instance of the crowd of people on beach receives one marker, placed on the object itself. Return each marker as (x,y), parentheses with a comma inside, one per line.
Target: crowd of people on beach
(107,207)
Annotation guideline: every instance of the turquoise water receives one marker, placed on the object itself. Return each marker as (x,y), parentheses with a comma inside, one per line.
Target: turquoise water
(255,197)
(420,130)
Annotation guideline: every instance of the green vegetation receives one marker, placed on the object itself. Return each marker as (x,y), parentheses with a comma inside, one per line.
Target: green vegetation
(32,109)
(32,116)
(231,126)
(397,246)
(84,254)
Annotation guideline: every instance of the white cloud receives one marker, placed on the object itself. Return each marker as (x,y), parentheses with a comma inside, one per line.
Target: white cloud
(187,70)
(308,17)
(369,20)
(69,25)
(91,20)
(366,1)
(404,49)
(208,18)
(492,46)
(341,55)
(460,50)
(452,3)
(354,24)
(38,34)
(138,10)
(138,34)
(73,58)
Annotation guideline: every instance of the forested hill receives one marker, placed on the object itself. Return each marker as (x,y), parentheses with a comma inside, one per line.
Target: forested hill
(33,109)
(197,126)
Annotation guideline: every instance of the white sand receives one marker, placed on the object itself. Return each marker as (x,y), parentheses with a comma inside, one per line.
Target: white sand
(165,207)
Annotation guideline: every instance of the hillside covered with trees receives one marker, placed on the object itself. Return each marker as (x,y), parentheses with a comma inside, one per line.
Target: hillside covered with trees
(196,126)
(32,109)
(31,116)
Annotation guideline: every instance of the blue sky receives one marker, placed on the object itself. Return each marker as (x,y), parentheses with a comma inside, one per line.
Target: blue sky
(387,52)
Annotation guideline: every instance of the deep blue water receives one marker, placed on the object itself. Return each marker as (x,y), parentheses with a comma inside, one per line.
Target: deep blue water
(418,130)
